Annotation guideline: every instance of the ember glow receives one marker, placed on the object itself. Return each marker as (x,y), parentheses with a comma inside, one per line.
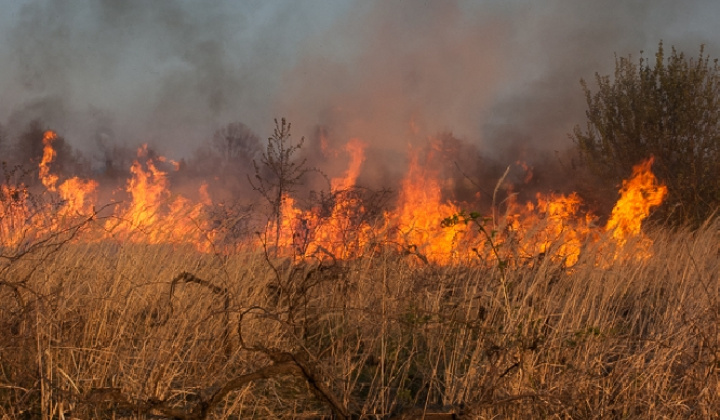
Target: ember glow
(554,226)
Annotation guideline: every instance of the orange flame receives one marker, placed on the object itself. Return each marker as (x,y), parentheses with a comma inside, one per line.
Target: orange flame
(638,196)
(78,196)
(553,226)
(148,189)
(14,214)
(153,216)
(75,193)
(49,180)
(305,233)
(419,214)
(356,149)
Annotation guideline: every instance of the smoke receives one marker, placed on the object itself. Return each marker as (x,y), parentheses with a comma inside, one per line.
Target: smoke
(500,75)
(167,73)
(403,74)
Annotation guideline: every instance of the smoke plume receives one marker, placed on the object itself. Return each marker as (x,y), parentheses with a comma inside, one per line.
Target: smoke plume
(501,76)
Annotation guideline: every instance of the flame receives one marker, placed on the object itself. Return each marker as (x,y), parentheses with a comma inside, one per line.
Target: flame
(305,233)
(49,180)
(325,147)
(419,214)
(154,215)
(638,196)
(76,194)
(528,171)
(14,214)
(553,226)
(148,189)
(339,234)
(356,149)
(204,194)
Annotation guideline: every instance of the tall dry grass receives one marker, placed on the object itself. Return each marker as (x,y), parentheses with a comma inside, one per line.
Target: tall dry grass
(109,331)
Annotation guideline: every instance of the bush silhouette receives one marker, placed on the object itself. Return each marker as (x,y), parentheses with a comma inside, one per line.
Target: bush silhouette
(669,109)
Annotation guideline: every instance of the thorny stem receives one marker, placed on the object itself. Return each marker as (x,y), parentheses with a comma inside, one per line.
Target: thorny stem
(502,264)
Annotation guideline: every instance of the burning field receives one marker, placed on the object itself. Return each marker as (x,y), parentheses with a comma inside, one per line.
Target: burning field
(355,304)
(340,225)
(463,232)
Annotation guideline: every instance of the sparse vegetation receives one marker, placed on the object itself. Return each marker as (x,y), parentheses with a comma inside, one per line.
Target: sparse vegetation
(236,144)
(278,174)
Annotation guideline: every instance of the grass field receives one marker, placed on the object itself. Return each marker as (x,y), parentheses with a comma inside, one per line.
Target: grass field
(119,330)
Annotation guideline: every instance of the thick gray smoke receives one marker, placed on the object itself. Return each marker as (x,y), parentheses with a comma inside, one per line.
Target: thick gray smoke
(502,75)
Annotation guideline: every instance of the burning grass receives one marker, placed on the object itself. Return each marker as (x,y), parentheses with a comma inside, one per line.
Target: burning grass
(164,307)
(421,221)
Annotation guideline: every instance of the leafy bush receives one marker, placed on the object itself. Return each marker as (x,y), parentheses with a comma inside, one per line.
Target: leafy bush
(668,108)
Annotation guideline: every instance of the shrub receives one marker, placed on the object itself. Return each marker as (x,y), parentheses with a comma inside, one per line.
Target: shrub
(668,108)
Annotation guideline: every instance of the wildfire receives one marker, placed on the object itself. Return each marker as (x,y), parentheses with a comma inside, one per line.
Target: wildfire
(356,149)
(638,196)
(49,180)
(419,213)
(338,233)
(76,194)
(154,215)
(553,226)
(149,190)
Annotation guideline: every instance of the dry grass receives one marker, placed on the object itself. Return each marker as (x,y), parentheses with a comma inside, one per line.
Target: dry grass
(115,331)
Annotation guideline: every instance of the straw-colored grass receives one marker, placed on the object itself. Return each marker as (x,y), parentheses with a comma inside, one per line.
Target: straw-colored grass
(113,331)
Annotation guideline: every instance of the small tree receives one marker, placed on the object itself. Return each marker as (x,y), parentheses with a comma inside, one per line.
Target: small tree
(279,172)
(236,142)
(670,110)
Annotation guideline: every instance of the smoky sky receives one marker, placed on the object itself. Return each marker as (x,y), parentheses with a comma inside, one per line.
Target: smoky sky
(392,73)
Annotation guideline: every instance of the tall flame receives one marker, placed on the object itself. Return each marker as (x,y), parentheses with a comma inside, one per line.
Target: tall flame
(154,215)
(338,234)
(49,180)
(14,214)
(356,149)
(148,189)
(76,194)
(420,211)
(552,226)
(638,196)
